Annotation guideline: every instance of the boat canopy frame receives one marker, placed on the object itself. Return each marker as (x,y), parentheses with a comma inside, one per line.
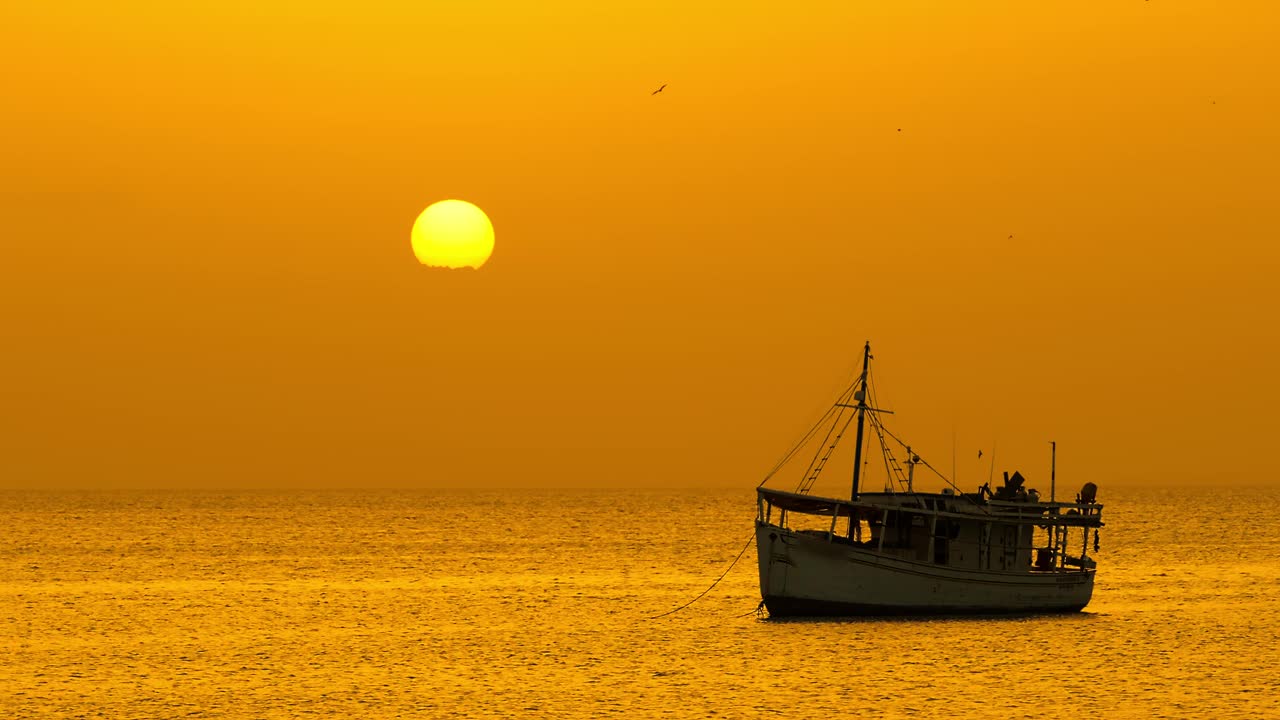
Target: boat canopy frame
(1062,514)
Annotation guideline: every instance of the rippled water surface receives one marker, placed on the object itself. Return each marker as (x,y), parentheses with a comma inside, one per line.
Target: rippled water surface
(537,604)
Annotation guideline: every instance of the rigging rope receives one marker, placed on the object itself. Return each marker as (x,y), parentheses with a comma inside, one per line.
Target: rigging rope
(717,582)
(807,436)
(807,484)
(838,410)
(787,457)
(959,492)
(809,473)
(890,462)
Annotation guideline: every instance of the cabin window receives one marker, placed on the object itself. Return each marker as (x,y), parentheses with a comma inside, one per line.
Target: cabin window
(897,527)
(942,534)
(1009,541)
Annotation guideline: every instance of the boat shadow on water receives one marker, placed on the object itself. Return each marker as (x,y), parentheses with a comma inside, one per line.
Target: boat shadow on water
(931,618)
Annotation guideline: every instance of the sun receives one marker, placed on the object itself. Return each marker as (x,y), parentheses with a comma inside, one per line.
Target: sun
(452,234)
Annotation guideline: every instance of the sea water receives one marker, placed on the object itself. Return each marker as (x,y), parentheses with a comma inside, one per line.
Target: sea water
(539,604)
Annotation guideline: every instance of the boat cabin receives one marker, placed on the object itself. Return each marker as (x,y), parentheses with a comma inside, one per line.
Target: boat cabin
(972,531)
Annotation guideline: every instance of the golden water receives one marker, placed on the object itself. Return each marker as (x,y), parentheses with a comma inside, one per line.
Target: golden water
(536,604)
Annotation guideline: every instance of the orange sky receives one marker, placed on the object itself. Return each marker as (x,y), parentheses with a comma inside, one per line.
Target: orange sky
(207,278)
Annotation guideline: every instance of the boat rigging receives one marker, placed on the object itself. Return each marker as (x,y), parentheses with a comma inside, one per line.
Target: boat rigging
(905,551)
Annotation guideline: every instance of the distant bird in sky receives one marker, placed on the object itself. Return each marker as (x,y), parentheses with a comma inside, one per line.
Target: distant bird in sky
(979,454)
(899,129)
(1010,237)
(655,92)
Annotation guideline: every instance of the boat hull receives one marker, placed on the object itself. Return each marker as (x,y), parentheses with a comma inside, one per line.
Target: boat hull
(808,575)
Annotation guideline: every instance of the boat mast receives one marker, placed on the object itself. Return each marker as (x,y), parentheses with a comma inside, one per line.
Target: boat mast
(861,397)
(1053,472)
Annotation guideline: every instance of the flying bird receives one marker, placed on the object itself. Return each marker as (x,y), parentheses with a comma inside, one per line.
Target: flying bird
(655,92)
(1010,237)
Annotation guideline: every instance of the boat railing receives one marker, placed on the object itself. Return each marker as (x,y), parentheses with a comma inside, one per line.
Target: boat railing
(1049,506)
(1035,513)
(955,542)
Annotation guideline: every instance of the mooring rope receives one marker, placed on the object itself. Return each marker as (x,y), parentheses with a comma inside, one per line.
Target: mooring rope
(717,582)
(757,611)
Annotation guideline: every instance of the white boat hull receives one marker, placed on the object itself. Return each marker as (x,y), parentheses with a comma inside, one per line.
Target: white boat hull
(804,574)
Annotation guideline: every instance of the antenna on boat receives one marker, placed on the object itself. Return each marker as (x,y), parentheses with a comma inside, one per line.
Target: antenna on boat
(861,397)
(1053,471)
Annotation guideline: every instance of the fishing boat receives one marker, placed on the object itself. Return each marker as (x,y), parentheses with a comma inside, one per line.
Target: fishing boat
(902,551)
